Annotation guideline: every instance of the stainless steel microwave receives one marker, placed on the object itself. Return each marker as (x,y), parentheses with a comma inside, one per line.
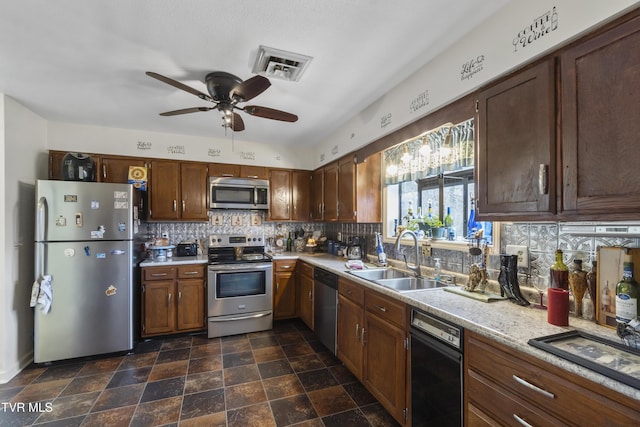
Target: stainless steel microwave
(238,193)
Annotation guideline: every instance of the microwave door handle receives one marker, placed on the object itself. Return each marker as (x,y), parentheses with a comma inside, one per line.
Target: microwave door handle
(255,196)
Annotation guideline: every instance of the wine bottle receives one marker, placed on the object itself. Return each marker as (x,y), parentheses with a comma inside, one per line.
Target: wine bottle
(448,223)
(627,294)
(559,273)
(382,256)
(289,243)
(472,225)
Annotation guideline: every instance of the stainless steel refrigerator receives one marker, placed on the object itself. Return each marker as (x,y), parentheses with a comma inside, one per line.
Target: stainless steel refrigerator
(84,247)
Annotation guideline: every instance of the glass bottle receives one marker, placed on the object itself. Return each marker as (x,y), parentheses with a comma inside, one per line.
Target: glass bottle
(592,281)
(448,222)
(289,243)
(382,256)
(627,294)
(605,298)
(559,273)
(578,283)
(472,225)
(429,213)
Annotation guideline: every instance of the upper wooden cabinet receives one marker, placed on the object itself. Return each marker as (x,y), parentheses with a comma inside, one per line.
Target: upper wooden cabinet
(178,191)
(600,80)
(116,169)
(224,170)
(255,172)
(369,189)
(516,146)
(347,189)
(317,195)
(330,192)
(289,193)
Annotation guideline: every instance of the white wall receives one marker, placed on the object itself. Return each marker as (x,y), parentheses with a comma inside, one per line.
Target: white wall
(129,142)
(23,160)
(441,80)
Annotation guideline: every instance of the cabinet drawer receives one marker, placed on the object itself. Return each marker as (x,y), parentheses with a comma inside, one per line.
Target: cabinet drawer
(511,410)
(385,307)
(159,273)
(353,291)
(285,265)
(191,271)
(557,391)
(306,269)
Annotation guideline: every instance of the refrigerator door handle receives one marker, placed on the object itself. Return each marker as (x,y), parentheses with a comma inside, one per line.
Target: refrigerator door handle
(41,219)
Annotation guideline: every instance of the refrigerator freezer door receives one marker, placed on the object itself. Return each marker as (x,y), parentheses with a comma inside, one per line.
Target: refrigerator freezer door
(76,210)
(91,311)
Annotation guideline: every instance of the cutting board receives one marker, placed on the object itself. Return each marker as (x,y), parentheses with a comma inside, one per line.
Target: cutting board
(480,296)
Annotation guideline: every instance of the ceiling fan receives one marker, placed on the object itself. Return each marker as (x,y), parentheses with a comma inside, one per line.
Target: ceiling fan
(226,91)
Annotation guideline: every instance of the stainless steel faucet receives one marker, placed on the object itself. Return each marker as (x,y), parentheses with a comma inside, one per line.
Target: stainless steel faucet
(415,267)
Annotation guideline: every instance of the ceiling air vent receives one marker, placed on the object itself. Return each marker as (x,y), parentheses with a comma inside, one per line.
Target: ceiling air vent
(279,64)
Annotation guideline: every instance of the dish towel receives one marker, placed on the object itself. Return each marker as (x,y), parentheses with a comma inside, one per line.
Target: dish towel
(42,294)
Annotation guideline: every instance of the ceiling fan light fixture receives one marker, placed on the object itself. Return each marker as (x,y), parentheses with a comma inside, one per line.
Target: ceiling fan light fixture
(279,64)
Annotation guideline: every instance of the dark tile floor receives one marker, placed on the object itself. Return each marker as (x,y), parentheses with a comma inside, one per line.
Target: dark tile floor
(278,378)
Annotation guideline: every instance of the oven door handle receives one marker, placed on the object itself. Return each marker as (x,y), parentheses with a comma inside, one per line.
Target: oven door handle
(240,269)
(230,319)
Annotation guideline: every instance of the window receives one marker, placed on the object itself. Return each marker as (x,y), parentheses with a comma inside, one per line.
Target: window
(419,179)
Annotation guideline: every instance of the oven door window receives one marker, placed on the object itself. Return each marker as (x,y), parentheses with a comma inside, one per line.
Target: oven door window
(238,284)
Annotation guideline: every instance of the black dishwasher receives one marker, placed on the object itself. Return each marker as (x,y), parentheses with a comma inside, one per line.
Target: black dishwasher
(325,301)
(436,371)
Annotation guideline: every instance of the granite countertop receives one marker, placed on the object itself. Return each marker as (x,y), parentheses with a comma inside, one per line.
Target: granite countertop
(503,321)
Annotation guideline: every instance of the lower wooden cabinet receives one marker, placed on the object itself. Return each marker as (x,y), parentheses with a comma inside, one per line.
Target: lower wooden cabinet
(284,289)
(305,295)
(507,387)
(173,299)
(373,343)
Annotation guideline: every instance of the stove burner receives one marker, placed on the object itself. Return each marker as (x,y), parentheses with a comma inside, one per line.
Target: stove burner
(235,249)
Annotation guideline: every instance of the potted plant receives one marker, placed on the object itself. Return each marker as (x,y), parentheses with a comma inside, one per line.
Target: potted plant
(432,227)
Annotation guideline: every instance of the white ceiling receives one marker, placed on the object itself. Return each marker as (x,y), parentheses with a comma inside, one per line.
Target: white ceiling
(84,62)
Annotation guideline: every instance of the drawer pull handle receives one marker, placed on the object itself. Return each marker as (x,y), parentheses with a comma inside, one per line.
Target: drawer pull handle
(158,274)
(285,266)
(521,421)
(310,296)
(533,387)
(169,299)
(190,273)
(381,308)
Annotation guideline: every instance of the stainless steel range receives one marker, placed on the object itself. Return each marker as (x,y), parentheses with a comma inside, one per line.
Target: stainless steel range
(240,285)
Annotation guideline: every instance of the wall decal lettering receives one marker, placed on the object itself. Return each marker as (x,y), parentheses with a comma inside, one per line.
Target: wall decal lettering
(540,26)
(248,155)
(214,152)
(420,101)
(176,149)
(385,120)
(143,145)
(472,67)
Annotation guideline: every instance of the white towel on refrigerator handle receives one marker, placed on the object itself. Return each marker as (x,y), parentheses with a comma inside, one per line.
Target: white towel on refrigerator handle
(42,294)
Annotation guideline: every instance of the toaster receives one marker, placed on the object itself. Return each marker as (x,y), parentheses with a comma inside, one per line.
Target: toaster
(187,249)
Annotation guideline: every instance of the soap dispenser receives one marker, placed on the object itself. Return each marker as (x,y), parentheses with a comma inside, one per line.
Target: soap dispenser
(438,268)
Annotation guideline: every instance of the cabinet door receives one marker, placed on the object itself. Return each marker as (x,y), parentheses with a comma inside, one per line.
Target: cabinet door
(284,304)
(317,194)
(158,307)
(346,189)
(350,328)
(301,195)
(279,194)
(600,126)
(165,190)
(516,146)
(384,368)
(194,187)
(55,164)
(116,169)
(257,172)
(330,194)
(190,304)
(224,170)
(305,300)
(369,189)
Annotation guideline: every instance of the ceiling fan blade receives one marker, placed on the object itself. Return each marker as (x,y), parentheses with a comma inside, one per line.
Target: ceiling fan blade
(179,85)
(250,88)
(186,111)
(270,113)
(237,124)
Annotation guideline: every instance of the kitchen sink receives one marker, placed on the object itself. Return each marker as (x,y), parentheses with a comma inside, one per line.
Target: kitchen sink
(379,273)
(397,280)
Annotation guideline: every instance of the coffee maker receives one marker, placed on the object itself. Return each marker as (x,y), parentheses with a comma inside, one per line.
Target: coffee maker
(356,248)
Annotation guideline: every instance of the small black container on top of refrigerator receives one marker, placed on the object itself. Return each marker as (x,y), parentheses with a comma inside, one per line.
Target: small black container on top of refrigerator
(78,167)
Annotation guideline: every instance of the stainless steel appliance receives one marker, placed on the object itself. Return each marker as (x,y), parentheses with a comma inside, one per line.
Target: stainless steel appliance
(240,285)
(436,371)
(238,193)
(84,259)
(185,248)
(356,249)
(325,301)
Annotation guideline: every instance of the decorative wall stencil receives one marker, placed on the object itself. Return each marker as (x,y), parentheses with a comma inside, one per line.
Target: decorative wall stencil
(334,150)
(540,26)
(472,67)
(322,156)
(176,149)
(214,152)
(143,145)
(385,120)
(420,101)
(248,155)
